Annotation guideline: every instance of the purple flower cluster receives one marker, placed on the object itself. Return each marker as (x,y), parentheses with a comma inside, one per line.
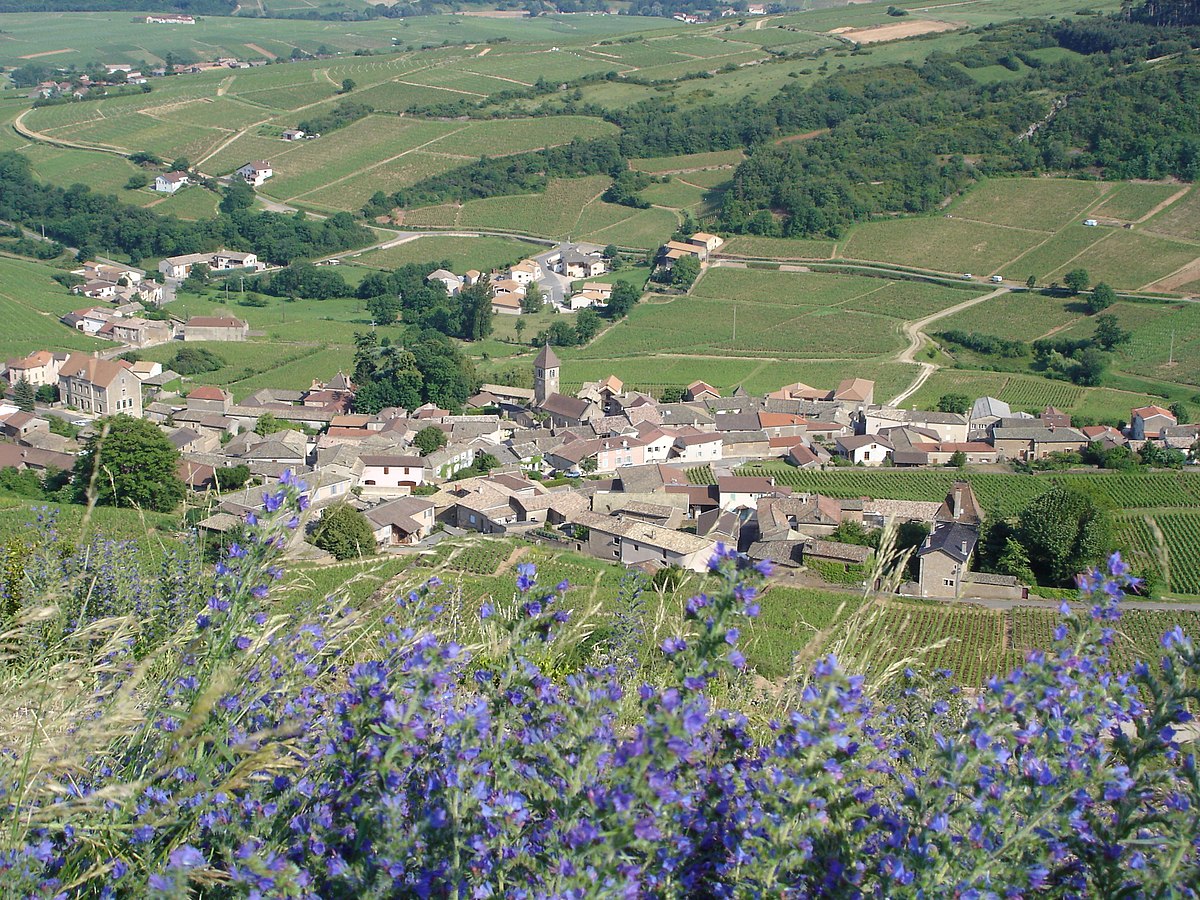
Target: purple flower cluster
(345,753)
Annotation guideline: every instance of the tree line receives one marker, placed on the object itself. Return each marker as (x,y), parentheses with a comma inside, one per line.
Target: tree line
(79,217)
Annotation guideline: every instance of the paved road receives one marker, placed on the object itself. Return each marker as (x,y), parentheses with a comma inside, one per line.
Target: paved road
(916,338)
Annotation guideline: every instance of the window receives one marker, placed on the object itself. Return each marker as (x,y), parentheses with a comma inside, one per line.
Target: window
(472,517)
(948,582)
(385,470)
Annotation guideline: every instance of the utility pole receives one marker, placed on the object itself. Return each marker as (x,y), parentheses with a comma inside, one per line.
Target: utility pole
(733,346)
(1171,355)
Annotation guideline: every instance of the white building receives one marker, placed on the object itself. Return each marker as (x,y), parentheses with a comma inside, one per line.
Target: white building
(170,182)
(391,475)
(255,173)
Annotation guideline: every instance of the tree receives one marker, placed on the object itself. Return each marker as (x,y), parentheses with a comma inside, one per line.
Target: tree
(587,324)
(194,361)
(1063,532)
(1031,282)
(954,403)
(180,165)
(1089,367)
(1077,280)
(533,299)
(685,271)
(232,478)
(518,327)
(624,296)
(476,304)
(348,85)
(268,424)
(429,439)
(611,252)
(237,196)
(957,460)
(137,181)
(129,462)
(344,532)
(1178,410)
(24,395)
(1101,298)
(48,393)
(671,395)
(1109,332)
(1013,560)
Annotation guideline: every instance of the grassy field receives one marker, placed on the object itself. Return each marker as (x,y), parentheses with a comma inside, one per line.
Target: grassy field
(1033,226)
(30,305)
(463,253)
(71,38)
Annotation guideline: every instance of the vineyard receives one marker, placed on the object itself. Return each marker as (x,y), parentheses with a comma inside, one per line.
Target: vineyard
(1182,533)
(1134,536)
(967,641)
(1002,495)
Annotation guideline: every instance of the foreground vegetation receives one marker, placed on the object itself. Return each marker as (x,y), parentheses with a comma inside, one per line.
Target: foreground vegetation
(431,745)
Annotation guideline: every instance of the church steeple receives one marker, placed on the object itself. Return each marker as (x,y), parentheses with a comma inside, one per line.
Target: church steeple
(545,374)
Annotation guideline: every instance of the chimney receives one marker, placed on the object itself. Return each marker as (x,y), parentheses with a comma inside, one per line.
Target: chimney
(956,510)
(964,548)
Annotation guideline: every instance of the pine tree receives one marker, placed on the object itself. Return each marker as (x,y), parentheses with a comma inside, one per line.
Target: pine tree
(24,395)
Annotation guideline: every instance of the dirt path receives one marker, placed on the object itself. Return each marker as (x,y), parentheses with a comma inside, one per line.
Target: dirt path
(229,140)
(507,565)
(915,331)
(376,165)
(1185,274)
(1160,207)
(25,131)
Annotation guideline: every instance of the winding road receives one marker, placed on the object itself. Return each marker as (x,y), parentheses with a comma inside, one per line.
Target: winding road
(915,332)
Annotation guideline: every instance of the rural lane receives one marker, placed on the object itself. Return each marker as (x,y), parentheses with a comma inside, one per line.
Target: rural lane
(915,333)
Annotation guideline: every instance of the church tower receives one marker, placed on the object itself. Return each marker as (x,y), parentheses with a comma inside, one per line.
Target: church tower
(545,375)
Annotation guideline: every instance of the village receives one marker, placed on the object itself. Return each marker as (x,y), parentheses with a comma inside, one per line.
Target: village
(604,471)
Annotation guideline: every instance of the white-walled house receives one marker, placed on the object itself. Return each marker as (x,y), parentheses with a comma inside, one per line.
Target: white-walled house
(864,449)
(255,173)
(390,474)
(170,182)
(698,448)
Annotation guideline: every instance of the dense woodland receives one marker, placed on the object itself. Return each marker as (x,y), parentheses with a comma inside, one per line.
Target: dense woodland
(901,138)
(91,222)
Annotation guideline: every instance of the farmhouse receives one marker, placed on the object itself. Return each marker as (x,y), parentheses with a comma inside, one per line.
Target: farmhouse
(400,522)
(170,182)
(506,304)
(1026,442)
(293,134)
(255,173)
(709,242)
(179,267)
(38,368)
(636,543)
(864,449)
(215,328)
(169,19)
(945,558)
(99,386)
(389,474)
(135,331)
(1148,422)
(452,282)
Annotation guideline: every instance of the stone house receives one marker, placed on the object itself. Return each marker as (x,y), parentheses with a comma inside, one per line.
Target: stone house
(99,386)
